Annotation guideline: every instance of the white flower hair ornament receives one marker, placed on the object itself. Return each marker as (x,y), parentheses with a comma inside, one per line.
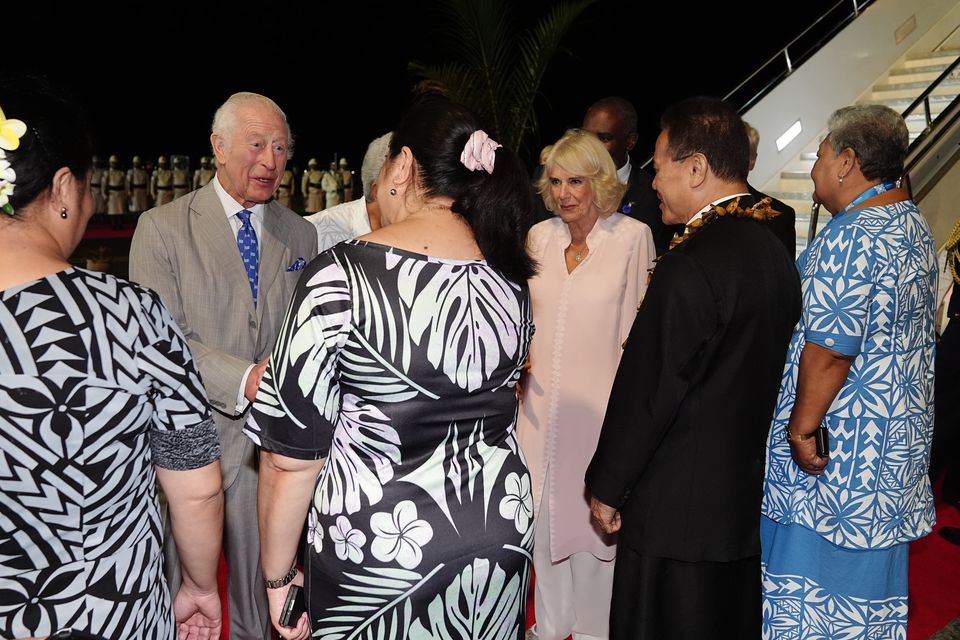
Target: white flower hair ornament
(10,133)
(479,152)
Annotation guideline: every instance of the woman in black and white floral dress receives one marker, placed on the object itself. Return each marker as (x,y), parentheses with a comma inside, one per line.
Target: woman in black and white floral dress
(397,364)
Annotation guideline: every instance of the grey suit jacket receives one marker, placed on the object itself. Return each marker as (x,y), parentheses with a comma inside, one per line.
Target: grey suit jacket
(187,252)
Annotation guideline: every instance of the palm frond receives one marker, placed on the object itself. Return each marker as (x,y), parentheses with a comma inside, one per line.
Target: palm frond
(454,80)
(536,49)
(492,66)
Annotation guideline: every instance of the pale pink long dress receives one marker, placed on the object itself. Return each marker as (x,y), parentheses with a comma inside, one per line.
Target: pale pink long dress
(581,319)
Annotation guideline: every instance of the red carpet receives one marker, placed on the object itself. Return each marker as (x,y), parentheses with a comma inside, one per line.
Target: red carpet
(225,630)
(934,579)
(934,582)
(101,231)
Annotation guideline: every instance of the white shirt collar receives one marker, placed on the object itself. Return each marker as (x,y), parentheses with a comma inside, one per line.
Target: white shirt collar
(230,206)
(702,211)
(623,173)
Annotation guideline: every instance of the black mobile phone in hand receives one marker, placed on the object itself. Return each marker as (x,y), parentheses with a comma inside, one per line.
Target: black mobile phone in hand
(293,606)
(823,442)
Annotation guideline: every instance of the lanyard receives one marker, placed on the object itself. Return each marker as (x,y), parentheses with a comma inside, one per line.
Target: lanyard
(876,189)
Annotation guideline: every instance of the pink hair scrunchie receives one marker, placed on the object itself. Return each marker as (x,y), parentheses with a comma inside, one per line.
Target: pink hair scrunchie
(479,152)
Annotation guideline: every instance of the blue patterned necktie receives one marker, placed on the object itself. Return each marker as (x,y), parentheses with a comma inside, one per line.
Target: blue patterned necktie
(249,251)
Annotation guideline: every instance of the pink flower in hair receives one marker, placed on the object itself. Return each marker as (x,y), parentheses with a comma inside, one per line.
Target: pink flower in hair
(479,152)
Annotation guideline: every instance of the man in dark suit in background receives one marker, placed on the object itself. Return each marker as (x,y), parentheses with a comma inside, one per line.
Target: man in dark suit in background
(680,460)
(784,226)
(614,121)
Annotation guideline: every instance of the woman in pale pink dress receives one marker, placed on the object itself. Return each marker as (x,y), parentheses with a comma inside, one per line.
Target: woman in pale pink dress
(593,273)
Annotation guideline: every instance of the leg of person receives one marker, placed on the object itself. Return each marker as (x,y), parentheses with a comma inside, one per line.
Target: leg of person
(945,448)
(553,598)
(813,588)
(249,614)
(592,580)
(656,598)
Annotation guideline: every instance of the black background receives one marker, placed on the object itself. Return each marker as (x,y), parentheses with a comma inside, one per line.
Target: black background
(150,75)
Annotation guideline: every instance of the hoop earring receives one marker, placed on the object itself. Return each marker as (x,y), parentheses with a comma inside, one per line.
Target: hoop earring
(393,191)
(63,212)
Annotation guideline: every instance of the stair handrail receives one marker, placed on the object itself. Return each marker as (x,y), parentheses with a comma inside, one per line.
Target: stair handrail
(812,224)
(785,51)
(922,99)
(858,7)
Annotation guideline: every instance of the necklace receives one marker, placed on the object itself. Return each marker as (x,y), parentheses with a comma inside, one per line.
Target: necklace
(580,254)
(759,211)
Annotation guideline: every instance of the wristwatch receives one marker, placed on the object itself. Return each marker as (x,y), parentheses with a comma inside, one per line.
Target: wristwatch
(799,437)
(285,580)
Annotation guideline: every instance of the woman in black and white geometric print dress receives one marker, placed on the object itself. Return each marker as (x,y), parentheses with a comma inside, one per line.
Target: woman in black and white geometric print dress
(397,363)
(99,397)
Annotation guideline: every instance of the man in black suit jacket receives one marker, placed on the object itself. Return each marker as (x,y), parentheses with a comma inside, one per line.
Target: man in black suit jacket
(784,226)
(614,121)
(679,465)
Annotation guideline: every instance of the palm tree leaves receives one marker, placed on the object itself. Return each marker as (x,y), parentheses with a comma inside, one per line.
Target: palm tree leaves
(493,66)
(464,312)
(365,450)
(481,602)
(536,49)
(378,605)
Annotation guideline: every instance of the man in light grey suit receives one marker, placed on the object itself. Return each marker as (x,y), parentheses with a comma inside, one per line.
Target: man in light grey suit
(225,259)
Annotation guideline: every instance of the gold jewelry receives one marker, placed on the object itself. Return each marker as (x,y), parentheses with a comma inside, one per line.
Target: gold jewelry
(580,254)
(799,437)
(953,251)
(761,211)
(284,581)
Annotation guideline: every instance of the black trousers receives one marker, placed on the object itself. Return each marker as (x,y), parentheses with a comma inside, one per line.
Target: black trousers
(663,599)
(945,450)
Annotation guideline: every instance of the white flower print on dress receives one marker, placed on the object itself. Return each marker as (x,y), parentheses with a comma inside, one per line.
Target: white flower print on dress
(314,531)
(517,505)
(348,541)
(400,535)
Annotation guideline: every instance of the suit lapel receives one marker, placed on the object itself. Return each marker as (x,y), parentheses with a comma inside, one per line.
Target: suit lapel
(273,251)
(217,237)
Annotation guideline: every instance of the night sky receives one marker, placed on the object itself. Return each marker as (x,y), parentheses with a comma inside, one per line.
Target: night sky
(339,70)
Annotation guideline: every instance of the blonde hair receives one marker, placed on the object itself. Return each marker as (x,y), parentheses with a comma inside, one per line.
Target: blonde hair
(753,136)
(581,153)
(545,152)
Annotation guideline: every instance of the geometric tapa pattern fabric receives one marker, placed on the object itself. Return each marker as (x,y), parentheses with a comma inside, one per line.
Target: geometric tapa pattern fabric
(96,386)
(868,286)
